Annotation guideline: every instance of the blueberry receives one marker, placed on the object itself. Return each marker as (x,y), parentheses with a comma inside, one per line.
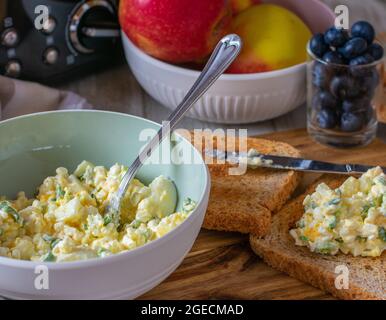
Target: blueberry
(344,87)
(364,59)
(353,48)
(348,106)
(327,119)
(358,66)
(337,86)
(350,122)
(364,30)
(336,37)
(319,75)
(315,101)
(333,57)
(363,72)
(369,81)
(356,105)
(376,51)
(327,100)
(318,46)
(368,115)
(353,89)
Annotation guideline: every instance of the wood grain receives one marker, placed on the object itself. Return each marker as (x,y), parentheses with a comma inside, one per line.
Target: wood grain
(222,266)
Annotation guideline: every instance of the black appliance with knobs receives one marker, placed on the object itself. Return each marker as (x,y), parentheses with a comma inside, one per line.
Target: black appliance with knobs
(76,37)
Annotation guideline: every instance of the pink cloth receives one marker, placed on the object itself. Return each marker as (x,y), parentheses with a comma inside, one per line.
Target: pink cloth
(21,97)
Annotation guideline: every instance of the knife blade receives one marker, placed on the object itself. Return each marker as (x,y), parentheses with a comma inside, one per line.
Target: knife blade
(256,159)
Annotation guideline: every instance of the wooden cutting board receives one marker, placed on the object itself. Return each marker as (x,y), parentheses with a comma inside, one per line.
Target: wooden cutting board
(222,266)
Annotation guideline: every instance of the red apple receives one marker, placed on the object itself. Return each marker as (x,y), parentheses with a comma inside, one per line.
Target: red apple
(176,31)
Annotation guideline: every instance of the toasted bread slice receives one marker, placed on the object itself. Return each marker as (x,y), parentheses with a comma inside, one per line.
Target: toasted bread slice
(244,203)
(367,276)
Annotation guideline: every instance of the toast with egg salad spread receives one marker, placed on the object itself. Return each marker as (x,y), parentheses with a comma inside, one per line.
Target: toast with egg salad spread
(244,203)
(333,236)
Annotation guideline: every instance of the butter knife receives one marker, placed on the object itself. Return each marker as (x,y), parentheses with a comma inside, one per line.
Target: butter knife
(288,163)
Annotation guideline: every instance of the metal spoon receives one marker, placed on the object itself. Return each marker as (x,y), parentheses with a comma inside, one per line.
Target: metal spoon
(223,55)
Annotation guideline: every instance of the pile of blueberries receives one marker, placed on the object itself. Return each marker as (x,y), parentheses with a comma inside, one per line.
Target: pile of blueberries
(345,84)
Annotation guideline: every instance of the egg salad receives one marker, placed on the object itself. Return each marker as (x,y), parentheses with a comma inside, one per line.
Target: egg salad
(66,220)
(350,219)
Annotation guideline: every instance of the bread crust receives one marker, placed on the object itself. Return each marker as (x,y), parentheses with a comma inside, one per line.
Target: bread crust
(367,276)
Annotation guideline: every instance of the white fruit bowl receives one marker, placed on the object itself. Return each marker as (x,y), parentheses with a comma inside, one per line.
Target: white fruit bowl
(240,98)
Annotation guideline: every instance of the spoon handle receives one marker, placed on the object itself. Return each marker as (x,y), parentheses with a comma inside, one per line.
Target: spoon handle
(223,55)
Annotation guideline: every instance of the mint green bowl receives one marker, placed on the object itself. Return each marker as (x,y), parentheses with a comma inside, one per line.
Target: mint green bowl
(33,146)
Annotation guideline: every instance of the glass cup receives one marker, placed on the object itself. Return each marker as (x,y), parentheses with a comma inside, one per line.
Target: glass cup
(342,101)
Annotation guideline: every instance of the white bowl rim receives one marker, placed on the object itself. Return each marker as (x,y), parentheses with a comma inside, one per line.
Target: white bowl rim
(194,73)
(80,264)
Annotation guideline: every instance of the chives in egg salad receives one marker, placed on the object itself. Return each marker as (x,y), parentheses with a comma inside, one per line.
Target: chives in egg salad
(66,220)
(350,219)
